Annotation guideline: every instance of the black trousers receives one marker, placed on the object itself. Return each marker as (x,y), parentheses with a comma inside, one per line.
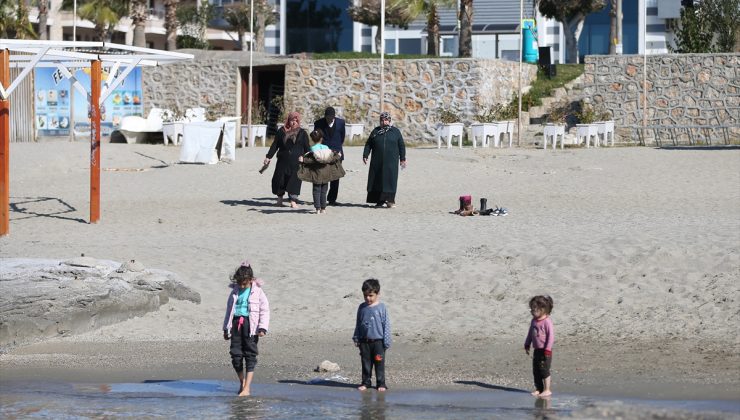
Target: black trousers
(372,355)
(333,191)
(243,347)
(540,368)
(319,195)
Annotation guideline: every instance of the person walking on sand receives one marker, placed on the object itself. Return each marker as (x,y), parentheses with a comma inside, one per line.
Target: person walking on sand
(388,149)
(320,166)
(332,131)
(542,336)
(372,335)
(291,142)
(247,319)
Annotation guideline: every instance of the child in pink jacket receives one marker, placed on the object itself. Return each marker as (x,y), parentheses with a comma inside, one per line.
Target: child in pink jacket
(247,319)
(541,336)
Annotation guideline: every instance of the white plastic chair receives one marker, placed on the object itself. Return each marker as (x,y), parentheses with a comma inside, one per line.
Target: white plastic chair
(505,128)
(135,128)
(552,131)
(258,130)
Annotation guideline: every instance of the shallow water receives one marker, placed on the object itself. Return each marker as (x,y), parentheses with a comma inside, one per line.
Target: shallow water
(216,399)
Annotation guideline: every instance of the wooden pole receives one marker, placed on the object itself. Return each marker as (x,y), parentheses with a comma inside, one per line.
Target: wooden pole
(95,80)
(519,84)
(5,146)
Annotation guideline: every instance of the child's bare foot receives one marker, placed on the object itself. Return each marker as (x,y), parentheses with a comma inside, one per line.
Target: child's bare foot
(244,392)
(293,205)
(381,389)
(535,393)
(545,394)
(361,388)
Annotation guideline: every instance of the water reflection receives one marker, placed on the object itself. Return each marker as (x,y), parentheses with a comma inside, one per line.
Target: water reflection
(543,409)
(373,406)
(247,408)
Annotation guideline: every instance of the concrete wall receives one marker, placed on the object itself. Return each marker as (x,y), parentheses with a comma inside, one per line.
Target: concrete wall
(682,89)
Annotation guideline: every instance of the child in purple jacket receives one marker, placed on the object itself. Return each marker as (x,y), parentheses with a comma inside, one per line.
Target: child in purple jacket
(247,319)
(541,335)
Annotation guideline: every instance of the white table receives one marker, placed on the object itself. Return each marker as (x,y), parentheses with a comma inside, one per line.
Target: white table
(485,130)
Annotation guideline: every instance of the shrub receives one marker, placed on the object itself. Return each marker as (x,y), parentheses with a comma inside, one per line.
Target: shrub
(448,116)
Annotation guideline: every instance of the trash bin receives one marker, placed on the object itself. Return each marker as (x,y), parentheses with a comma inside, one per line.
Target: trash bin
(545,61)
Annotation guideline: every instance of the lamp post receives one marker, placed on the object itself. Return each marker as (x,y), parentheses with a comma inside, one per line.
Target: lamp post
(382,53)
(519,95)
(249,83)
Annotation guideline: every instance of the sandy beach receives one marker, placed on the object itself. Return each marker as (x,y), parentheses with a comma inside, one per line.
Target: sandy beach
(639,248)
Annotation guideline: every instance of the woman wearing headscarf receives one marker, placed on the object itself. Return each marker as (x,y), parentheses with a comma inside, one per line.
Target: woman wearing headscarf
(291,142)
(387,148)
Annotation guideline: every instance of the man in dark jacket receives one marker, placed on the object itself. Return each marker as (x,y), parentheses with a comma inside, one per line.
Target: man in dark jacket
(332,129)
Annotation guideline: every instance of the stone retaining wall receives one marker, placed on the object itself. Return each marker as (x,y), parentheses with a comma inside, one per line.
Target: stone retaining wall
(682,89)
(415,90)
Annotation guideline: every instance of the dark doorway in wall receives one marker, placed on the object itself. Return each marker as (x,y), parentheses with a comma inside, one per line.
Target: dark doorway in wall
(267,83)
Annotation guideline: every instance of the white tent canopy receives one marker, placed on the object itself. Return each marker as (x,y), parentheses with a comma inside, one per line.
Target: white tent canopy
(66,55)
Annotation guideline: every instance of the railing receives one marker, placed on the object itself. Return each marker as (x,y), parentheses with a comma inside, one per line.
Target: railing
(691,135)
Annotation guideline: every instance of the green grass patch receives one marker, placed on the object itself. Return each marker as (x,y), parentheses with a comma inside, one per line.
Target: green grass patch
(543,86)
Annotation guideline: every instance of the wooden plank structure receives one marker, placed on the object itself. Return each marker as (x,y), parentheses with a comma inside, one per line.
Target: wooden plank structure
(66,55)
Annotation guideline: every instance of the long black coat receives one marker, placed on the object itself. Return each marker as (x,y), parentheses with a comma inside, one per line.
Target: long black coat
(285,177)
(387,150)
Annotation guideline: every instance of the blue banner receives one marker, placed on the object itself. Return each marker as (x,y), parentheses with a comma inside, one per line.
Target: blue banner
(52,102)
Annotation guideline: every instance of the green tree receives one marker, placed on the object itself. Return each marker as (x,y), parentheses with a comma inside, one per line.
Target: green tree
(14,21)
(238,18)
(104,14)
(724,20)
(571,13)
(194,21)
(694,34)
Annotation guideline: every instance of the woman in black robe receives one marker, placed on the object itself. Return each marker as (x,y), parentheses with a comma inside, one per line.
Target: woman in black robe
(387,148)
(291,142)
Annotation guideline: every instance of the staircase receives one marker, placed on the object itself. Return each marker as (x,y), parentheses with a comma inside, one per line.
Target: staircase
(537,115)
(572,91)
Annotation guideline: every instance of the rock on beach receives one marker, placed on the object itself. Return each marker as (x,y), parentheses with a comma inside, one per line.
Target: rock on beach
(44,298)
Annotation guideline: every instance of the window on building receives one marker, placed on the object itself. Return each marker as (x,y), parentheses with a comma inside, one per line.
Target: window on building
(390,46)
(409,46)
(317,26)
(448,46)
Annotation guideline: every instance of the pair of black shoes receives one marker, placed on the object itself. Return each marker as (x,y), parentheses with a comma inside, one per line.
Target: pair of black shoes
(485,211)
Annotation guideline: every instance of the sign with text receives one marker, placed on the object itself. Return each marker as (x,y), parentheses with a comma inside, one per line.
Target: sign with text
(53,93)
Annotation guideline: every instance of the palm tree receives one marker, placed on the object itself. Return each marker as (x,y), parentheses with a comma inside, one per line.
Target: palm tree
(171,23)
(368,12)
(431,9)
(264,17)
(238,18)
(43,18)
(104,14)
(139,13)
(466,28)
(14,20)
